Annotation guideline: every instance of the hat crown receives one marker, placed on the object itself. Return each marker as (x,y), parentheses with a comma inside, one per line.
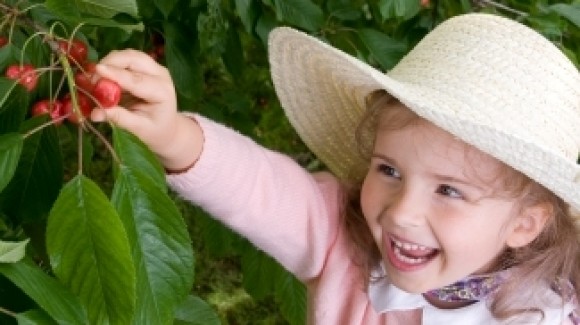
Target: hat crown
(518,81)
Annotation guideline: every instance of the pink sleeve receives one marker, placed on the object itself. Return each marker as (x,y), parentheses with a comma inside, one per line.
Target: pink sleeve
(265,196)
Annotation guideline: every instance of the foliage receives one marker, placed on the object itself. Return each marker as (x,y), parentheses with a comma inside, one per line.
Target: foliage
(89,233)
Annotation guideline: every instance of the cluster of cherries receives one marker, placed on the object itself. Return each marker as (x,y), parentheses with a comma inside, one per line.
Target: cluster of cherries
(91,90)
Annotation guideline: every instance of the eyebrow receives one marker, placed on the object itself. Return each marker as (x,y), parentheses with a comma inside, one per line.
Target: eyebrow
(440,177)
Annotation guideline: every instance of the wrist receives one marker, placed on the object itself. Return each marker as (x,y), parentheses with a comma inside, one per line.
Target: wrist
(184,148)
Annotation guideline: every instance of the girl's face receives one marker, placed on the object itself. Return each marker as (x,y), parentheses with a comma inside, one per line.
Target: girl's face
(429,201)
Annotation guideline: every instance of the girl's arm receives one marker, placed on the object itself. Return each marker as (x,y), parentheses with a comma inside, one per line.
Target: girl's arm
(151,112)
(261,194)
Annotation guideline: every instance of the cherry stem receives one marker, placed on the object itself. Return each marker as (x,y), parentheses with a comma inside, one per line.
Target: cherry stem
(8,312)
(104,140)
(43,125)
(502,6)
(80,150)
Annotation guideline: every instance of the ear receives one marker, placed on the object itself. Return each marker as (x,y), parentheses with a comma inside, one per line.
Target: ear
(528,224)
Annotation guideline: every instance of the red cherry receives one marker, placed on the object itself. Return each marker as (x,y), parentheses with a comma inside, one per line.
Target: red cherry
(85,107)
(45,106)
(425,3)
(107,92)
(160,50)
(90,67)
(25,74)
(3,41)
(153,54)
(84,81)
(77,51)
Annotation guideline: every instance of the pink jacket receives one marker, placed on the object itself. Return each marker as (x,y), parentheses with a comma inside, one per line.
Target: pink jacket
(287,212)
(295,217)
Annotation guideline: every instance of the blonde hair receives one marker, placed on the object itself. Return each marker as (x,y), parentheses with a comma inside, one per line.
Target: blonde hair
(554,255)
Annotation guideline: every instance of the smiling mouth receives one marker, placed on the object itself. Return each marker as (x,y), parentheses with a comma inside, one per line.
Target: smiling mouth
(407,256)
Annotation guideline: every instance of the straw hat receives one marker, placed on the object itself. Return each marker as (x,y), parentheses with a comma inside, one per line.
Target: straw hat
(494,83)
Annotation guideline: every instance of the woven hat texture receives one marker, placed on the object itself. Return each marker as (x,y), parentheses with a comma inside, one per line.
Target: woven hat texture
(492,82)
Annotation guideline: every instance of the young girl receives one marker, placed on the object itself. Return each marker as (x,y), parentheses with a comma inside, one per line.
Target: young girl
(455,192)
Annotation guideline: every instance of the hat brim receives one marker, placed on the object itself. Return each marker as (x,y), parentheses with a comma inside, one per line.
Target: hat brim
(323,91)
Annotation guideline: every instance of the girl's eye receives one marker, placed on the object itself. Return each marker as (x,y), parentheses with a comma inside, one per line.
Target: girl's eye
(388,171)
(449,191)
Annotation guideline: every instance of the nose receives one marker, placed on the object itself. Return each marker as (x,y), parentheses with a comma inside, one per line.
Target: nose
(407,208)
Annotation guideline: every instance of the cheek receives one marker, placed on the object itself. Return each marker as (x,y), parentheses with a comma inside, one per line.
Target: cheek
(371,206)
(367,200)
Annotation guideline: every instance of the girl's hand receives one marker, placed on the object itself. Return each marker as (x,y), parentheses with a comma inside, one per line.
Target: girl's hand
(150,111)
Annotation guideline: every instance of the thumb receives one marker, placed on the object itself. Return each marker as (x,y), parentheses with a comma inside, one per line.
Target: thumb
(119,116)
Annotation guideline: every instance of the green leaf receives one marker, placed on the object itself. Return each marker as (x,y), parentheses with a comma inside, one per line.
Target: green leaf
(160,245)
(165,6)
(99,8)
(14,104)
(344,10)
(260,272)
(10,149)
(181,56)
(12,252)
(46,291)
(302,13)
(195,311)
(35,317)
(570,12)
(291,294)
(399,8)
(39,174)
(248,12)
(385,50)
(233,56)
(135,154)
(89,252)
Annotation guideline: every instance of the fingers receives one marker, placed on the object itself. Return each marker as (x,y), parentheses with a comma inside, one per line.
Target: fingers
(135,61)
(119,117)
(138,74)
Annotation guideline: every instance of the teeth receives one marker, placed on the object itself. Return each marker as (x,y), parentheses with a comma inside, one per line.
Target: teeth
(407,259)
(409,246)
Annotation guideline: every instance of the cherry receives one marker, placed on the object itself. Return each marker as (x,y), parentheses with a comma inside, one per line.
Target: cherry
(77,51)
(84,81)
(3,41)
(53,108)
(25,74)
(90,67)
(85,77)
(85,107)
(107,92)
(425,3)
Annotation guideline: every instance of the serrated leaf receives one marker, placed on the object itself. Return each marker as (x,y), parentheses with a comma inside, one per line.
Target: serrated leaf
(99,8)
(135,154)
(181,56)
(14,104)
(248,12)
(39,174)
(260,272)
(10,149)
(35,317)
(302,13)
(160,246)
(404,9)
(194,311)
(89,252)
(46,291)
(165,6)
(233,56)
(385,50)
(12,252)
(291,294)
(568,11)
